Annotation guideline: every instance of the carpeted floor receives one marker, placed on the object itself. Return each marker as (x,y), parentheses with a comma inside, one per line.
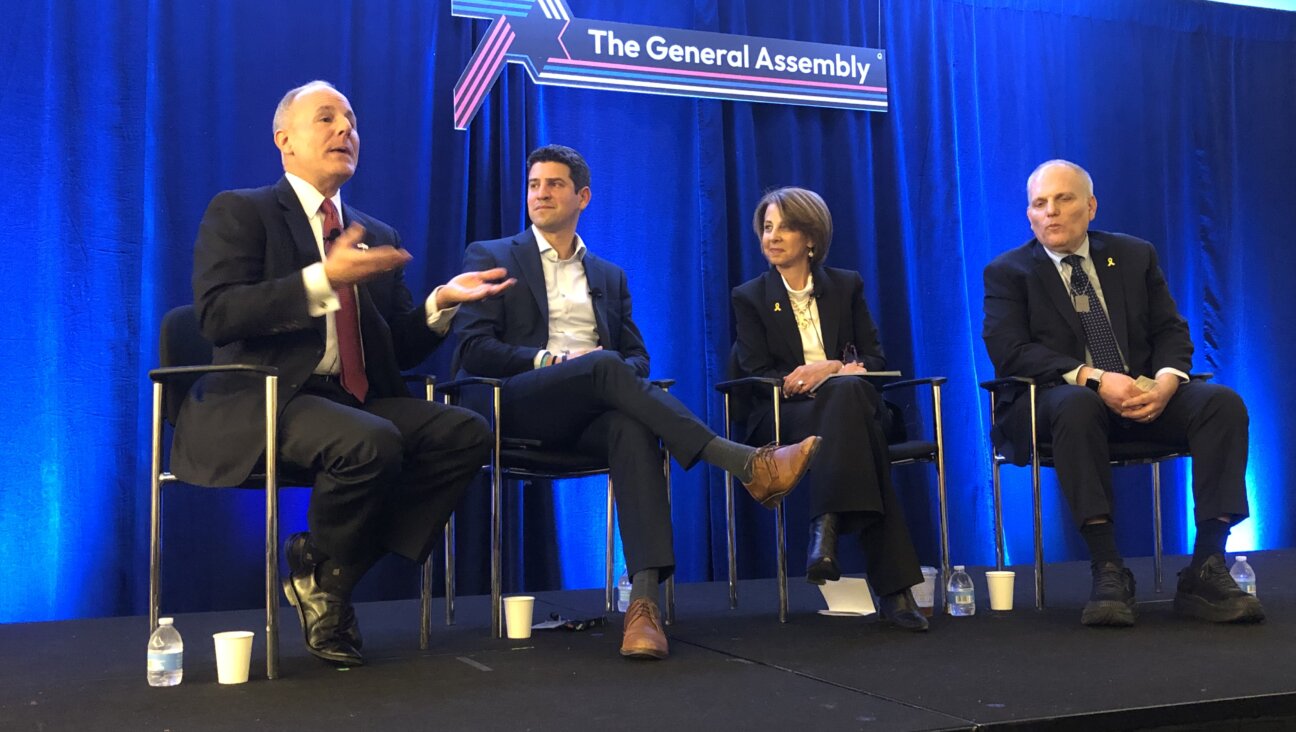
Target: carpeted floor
(729,669)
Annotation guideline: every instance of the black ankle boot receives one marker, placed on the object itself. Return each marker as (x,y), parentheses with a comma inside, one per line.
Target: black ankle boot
(821,557)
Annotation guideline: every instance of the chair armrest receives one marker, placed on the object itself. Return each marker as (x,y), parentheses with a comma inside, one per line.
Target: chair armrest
(924,381)
(1201,376)
(728,386)
(997,384)
(453,388)
(663,384)
(169,372)
(419,378)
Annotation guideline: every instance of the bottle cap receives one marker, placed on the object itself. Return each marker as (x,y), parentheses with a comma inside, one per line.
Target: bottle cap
(164,621)
(958,567)
(1241,557)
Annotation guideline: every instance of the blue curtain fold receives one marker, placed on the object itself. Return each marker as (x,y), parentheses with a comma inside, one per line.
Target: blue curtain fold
(123,119)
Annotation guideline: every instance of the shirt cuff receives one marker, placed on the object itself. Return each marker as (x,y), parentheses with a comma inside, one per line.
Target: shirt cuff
(320,297)
(1167,370)
(439,320)
(1071,376)
(540,354)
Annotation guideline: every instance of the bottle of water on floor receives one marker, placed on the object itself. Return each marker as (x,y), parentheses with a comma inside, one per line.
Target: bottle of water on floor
(1243,575)
(165,655)
(623,593)
(961,593)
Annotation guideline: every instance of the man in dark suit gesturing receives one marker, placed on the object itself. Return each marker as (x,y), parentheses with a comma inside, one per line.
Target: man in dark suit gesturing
(575,376)
(1089,316)
(278,281)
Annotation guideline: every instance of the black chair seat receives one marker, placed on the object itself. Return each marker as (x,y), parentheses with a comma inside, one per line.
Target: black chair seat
(912,450)
(552,464)
(1127,452)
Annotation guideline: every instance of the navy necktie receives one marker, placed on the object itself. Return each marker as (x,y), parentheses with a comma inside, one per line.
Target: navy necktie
(1099,337)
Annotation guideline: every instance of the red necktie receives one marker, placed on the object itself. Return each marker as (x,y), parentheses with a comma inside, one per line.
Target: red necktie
(347,318)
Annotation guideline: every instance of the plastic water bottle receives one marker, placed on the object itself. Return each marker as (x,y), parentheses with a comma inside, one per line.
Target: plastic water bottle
(165,655)
(623,593)
(961,593)
(1243,575)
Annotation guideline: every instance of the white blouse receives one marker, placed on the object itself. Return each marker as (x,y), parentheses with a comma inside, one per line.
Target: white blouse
(806,310)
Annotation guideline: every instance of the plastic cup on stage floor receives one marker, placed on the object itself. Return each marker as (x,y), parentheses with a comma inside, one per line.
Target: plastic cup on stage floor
(233,656)
(925,593)
(517,615)
(1001,588)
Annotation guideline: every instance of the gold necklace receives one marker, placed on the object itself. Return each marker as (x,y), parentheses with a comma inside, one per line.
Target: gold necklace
(801,310)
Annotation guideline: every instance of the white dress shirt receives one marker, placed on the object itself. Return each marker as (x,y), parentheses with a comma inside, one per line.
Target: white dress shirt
(571,310)
(321,299)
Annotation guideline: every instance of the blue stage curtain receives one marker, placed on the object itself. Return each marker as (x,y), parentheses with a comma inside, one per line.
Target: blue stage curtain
(123,119)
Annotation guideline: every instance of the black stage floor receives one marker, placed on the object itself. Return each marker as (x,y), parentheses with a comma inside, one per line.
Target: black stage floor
(729,669)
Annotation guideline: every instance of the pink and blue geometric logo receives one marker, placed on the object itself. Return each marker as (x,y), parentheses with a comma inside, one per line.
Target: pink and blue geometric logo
(558,49)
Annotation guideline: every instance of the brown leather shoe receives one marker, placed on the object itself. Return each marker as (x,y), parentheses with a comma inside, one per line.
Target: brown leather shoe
(776,470)
(643,636)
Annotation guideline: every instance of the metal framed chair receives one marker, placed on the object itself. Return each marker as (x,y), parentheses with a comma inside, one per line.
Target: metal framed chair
(185,356)
(906,452)
(1123,454)
(527,460)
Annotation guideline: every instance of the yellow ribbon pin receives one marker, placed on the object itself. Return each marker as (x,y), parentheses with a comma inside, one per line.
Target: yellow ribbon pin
(778,308)
(1111,262)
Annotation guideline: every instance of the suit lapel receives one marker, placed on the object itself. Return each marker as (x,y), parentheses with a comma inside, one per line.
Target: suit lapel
(526,255)
(779,307)
(596,279)
(1112,279)
(1047,273)
(829,324)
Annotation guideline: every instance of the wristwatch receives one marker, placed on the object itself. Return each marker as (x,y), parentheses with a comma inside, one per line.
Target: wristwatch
(1095,379)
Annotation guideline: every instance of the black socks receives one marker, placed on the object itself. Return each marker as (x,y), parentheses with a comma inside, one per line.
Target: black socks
(1101,539)
(1212,534)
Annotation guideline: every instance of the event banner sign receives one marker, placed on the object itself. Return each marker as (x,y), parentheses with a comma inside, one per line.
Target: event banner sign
(559,49)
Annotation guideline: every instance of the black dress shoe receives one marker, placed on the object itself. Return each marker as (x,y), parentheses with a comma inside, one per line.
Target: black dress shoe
(821,557)
(302,557)
(321,614)
(1208,592)
(1111,601)
(902,610)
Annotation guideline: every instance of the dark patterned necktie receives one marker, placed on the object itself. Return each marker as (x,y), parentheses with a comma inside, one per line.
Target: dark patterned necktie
(1097,328)
(347,318)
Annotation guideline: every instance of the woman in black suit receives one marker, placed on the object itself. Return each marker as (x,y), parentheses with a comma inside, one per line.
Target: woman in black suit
(803,322)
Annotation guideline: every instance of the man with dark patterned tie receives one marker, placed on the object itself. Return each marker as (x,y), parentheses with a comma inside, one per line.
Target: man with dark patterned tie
(289,276)
(1089,316)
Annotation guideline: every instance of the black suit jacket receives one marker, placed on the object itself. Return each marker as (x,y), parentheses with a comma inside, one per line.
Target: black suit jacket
(251,303)
(500,336)
(1031,327)
(768,342)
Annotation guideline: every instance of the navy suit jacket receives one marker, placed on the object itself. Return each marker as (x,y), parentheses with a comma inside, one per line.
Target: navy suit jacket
(500,336)
(1031,327)
(251,304)
(768,342)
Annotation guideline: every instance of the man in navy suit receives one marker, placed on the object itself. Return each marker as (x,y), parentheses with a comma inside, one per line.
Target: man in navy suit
(1089,316)
(575,377)
(277,281)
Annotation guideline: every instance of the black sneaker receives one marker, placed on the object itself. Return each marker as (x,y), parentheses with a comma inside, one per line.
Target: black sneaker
(1208,592)
(1112,600)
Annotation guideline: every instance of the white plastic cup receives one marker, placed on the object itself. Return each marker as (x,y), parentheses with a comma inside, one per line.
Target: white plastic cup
(1001,588)
(517,615)
(925,593)
(233,656)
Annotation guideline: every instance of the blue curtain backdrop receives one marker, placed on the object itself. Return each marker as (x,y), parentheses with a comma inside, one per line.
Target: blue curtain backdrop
(122,120)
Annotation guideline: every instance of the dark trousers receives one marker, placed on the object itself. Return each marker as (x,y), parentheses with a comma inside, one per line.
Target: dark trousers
(598,405)
(1209,419)
(851,475)
(388,473)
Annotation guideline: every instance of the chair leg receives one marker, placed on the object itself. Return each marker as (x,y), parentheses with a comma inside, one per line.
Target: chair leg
(272,526)
(1039,535)
(1156,525)
(155,512)
(425,603)
(942,503)
(997,490)
(497,625)
(608,551)
(730,545)
(449,571)
(781,538)
(670,581)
